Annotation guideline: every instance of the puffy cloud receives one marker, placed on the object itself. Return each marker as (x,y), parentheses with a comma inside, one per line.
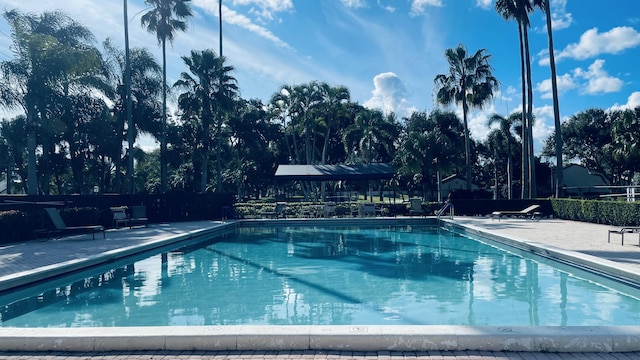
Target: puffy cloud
(420,6)
(598,80)
(565,82)
(632,102)
(592,43)
(542,126)
(389,95)
(560,19)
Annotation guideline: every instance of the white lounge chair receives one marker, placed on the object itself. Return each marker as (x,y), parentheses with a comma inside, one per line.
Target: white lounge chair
(415,207)
(528,213)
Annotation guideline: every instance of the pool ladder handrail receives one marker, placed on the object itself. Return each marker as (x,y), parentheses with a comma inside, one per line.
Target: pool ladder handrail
(447,205)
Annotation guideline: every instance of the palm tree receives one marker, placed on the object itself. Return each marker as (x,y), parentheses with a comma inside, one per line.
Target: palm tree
(519,10)
(431,146)
(505,125)
(470,83)
(53,58)
(164,19)
(544,4)
(370,136)
(332,99)
(204,87)
(281,107)
(136,98)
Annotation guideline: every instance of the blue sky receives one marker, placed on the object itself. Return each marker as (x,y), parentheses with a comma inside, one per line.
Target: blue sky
(387,52)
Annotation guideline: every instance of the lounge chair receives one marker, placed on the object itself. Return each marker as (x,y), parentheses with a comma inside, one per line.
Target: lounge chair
(120,217)
(528,213)
(365,210)
(138,215)
(278,211)
(62,228)
(329,210)
(624,230)
(415,207)
(230,212)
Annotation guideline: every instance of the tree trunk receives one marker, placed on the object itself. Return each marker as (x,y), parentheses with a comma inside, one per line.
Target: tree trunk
(531,153)
(467,145)
(556,107)
(32,175)
(130,188)
(524,189)
(163,135)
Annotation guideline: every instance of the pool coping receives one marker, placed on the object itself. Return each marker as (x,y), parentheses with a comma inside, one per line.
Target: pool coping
(335,337)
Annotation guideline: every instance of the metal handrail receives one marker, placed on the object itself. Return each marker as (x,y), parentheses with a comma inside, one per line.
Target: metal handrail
(447,205)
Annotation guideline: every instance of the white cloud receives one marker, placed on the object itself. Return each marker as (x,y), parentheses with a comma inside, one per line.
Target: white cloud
(232,17)
(560,19)
(420,6)
(593,43)
(632,102)
(564,82)
(389,95)
(356,4)
(265,9)
(387,8)
(477,120)
(485,4)
(598,80)
(543,116)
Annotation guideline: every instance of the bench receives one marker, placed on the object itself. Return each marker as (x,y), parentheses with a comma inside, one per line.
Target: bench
(622,231)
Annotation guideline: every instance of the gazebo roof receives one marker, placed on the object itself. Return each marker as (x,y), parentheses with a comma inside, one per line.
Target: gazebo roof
(374,171)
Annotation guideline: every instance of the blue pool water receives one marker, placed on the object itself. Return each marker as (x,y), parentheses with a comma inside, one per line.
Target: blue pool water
(329,276)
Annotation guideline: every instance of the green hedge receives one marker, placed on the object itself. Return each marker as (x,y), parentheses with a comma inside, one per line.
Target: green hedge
(255,209)
(608,212)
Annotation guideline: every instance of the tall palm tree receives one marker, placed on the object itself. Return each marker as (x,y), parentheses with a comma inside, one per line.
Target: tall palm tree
(164,19)
(505,126)
(470,83)
(544,4)
(519,10)
(204,87)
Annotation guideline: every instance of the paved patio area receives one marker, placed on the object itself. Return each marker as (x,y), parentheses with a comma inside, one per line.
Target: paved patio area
(588,239)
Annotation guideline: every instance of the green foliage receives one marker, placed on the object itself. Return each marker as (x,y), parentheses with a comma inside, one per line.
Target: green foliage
(617,213)
(13,225)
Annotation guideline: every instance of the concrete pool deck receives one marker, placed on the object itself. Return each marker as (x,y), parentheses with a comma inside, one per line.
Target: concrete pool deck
(20,261)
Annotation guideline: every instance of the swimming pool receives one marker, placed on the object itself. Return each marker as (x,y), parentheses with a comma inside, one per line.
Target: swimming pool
(409,274)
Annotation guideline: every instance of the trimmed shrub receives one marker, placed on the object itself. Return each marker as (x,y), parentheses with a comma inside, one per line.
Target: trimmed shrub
(608,212)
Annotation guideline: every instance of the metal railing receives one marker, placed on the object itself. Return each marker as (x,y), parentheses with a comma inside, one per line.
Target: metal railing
(443,209)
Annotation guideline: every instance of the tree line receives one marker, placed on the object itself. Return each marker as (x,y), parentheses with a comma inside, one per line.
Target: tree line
(74,98)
